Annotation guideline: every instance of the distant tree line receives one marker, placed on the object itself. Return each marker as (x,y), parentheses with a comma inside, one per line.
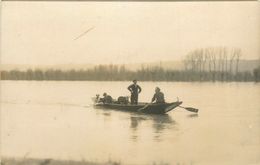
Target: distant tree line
(115,73)
(210,64)
(257,74)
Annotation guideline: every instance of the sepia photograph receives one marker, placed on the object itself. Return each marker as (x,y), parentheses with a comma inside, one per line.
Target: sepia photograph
(129,82)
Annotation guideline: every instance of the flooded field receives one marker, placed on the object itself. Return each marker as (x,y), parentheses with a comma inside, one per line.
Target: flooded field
(52,119)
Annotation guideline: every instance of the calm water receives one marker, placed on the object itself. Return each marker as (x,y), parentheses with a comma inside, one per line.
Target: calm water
(56,120)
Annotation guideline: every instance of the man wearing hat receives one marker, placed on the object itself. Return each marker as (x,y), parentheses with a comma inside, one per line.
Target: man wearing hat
(135,89)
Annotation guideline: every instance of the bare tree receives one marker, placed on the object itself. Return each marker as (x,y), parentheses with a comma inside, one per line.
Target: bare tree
(238,55)
(232,56)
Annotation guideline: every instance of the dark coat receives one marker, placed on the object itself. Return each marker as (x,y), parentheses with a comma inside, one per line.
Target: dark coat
(158,97)
(107,99)
(134,89)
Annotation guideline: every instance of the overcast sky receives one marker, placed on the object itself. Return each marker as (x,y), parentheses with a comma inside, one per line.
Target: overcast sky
(124,32)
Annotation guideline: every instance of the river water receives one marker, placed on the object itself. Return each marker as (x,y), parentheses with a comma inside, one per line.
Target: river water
(52,119)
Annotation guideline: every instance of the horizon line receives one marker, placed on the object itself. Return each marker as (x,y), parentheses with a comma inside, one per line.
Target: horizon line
(129,0)
(90,63)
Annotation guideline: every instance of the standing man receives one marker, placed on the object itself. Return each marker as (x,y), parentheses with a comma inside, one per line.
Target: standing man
(135,90)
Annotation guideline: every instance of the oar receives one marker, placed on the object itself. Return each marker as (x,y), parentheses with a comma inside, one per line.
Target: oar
(139,110)
(190,109)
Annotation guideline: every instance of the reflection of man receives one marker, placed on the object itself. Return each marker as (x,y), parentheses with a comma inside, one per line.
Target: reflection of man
(158,97)
(135,90)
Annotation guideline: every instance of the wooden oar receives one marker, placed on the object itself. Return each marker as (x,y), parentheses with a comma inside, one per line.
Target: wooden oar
(139,110)
(190,109)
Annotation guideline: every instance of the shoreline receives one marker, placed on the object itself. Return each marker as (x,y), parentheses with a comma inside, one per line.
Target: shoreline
(50,161)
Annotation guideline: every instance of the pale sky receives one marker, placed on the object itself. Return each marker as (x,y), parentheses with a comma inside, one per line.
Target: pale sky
(124,32)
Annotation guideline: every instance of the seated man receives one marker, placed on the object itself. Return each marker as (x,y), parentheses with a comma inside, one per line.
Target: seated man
(107,98)
(158,97)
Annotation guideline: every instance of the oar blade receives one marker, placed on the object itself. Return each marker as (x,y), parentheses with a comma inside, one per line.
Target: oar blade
(192,109)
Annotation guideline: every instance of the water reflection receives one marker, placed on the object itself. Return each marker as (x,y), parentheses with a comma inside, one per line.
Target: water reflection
(135,121)
(106,116)
(159,123)
(193,115)
(142,124)
(162,123)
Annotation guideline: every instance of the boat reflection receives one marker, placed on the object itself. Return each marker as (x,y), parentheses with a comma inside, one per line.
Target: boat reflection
(159,123)
(141,125)
(135,122)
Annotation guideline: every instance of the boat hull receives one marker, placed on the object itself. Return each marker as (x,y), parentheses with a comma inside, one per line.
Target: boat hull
(149,108)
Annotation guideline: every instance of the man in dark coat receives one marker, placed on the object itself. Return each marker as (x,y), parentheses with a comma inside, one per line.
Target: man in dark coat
(135,90)
(158,97)
(107,99)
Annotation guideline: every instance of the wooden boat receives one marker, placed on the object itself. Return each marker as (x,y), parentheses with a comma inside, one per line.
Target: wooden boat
(152,108)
